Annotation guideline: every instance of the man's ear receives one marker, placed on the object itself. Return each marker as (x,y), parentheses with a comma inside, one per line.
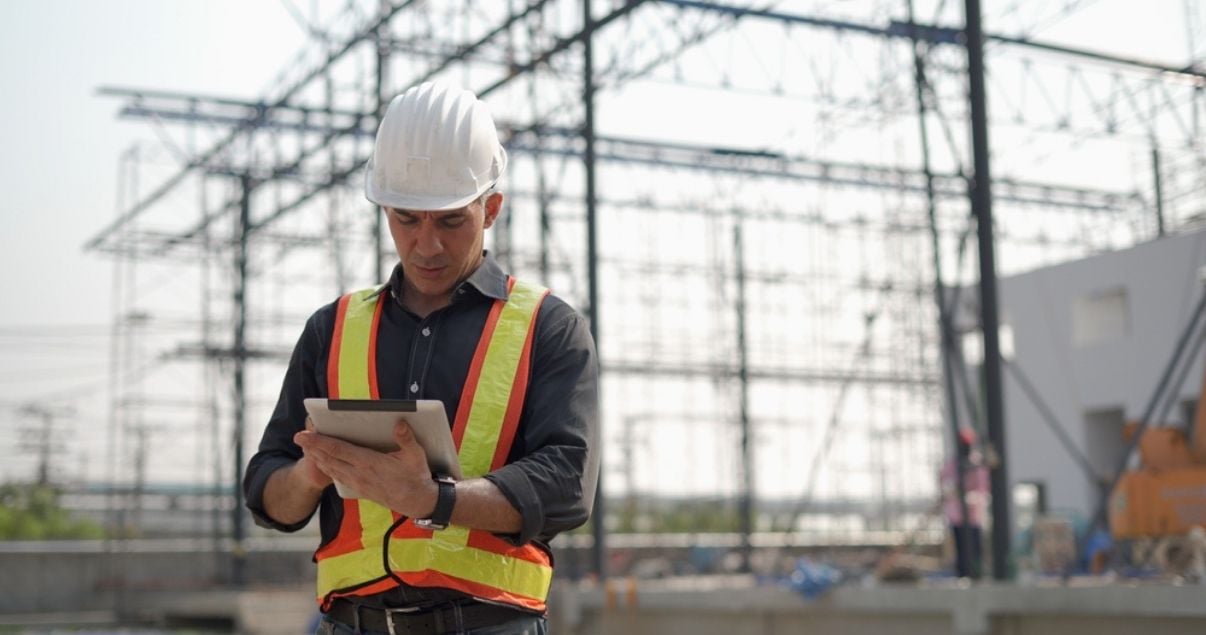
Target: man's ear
(493,208)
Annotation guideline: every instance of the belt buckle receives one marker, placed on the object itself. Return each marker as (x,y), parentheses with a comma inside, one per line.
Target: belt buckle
(390,613)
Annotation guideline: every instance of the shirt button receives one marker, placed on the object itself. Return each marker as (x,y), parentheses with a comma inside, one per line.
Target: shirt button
(426,331)
(414,387)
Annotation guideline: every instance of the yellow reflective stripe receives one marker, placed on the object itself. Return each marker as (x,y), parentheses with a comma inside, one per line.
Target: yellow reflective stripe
(453,536)
(375,519)
(497,377)
(354,345)
(349,569)
(513,575)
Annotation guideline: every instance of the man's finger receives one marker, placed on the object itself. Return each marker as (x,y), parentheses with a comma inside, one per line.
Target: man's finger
(331,464)
(403,434)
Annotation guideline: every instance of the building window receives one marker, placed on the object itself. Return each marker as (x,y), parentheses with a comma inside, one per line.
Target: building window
(1101,316)
(1105,443)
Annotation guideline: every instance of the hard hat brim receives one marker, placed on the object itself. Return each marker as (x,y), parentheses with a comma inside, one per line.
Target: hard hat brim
(417,203)
(388,198)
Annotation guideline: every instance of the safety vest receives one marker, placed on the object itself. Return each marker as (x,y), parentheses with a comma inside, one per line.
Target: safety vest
(373,551)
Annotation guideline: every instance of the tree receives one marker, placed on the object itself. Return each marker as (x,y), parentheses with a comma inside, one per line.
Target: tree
(33,512)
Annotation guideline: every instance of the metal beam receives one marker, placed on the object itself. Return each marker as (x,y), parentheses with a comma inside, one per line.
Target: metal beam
(936,35)
(219,147)
(711,370)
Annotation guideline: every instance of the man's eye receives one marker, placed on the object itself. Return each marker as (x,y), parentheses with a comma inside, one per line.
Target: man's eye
(452,223)
(406,220)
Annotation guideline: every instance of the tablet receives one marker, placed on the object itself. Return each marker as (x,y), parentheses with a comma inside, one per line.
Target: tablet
(370,423)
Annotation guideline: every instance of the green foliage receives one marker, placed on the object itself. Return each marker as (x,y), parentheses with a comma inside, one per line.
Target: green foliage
(32,512)
(685,516)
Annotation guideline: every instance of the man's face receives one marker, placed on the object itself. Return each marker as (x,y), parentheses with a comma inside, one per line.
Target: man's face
(439,249)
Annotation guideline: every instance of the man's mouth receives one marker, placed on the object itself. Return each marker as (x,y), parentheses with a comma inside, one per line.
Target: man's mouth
(429,272)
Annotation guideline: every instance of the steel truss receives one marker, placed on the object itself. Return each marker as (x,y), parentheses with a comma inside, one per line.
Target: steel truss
(276,184)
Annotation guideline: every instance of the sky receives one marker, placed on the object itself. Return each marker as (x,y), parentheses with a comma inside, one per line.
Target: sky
(58,165)
(60,141)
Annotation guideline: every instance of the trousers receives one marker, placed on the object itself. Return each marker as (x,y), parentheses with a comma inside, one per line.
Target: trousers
(524,625)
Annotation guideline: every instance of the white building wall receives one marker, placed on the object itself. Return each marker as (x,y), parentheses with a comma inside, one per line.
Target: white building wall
(1118,371)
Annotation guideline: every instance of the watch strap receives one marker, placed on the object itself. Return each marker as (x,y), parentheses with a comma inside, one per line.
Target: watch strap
(445,501)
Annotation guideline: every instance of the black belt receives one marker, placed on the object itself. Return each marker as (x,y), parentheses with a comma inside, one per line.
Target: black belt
(431,619)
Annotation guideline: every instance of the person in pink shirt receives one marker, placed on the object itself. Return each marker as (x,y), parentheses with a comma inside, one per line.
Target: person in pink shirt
(968,535)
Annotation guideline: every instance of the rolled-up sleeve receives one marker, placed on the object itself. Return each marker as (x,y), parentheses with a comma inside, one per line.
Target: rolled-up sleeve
(277,449)
(554,461)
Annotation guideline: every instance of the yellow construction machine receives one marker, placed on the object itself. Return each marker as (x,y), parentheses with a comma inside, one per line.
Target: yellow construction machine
(1166,495)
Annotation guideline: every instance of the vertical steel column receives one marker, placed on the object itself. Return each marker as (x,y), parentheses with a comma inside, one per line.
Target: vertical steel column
(946,337)
(1159,189)
(746,504)
(981,202)
(382,102)
(598,527)
(542,201)
(237,553)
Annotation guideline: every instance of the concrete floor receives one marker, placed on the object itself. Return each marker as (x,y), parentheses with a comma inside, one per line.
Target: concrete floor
(735,604)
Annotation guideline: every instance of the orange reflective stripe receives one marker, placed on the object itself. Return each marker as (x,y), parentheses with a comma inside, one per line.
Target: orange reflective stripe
(487,541)
(344,541)
(371,588)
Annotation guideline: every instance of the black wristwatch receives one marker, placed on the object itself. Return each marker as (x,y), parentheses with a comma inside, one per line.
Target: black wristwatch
(445,501)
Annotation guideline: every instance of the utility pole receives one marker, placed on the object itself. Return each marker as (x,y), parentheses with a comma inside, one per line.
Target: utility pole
(41,439)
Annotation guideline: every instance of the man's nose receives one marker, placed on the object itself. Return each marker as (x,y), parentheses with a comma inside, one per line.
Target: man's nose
(428,241)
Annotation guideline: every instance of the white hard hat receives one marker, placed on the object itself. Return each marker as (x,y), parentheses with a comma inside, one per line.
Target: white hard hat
(436,149)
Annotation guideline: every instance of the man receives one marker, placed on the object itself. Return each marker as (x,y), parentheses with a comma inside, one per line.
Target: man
(968,535)
(514,367)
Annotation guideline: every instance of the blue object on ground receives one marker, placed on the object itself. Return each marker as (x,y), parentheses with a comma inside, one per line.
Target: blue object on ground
(812,579)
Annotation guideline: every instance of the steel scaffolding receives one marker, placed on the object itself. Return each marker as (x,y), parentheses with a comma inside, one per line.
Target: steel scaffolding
(734,195)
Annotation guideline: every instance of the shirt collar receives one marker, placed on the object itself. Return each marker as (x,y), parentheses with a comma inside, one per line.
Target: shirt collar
(489,280)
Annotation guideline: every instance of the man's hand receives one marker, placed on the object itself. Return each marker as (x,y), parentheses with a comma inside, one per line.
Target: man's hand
(307,470)
(399,480)
(292,492)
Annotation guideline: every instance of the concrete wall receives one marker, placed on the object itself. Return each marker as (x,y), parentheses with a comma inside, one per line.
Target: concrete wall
(88,576)
(1161,284)
(732,607)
